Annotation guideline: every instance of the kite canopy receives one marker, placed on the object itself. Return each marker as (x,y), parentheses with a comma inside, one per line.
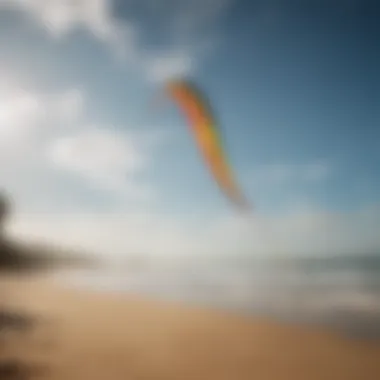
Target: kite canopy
(203,125)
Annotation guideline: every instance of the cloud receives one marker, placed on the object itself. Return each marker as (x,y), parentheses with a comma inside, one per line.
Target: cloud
(27,117)
(97,152)
(69,106)
(184,31)
(61,17)
(108,159)
(315,171)
(311,232)
(19,115)
(164,67)
(190,32)
(275,174)
(47,137)
(108,235)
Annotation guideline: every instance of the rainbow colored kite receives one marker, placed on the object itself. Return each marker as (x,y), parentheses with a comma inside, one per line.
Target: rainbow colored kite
(197,111)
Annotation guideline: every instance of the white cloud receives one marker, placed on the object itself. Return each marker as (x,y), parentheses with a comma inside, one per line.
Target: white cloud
(275,174)
(316,171)
(164,67)
(192,30)
(19,115)
(47,136)
(69,106)
(26,117)
(108,235)
(194,19)
(149,233)
(60,17)
(107,158)
(188,29)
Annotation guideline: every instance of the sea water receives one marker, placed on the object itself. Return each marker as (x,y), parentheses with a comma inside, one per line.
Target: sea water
(341,292)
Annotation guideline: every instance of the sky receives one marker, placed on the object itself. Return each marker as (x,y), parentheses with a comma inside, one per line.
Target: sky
(295,87)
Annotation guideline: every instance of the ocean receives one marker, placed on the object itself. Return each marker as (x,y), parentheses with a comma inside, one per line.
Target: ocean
(339,292)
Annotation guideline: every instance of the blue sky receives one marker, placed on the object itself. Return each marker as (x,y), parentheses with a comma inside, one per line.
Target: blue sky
(295,86)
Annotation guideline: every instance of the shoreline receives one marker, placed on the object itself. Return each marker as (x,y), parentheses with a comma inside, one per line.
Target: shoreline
(352,317)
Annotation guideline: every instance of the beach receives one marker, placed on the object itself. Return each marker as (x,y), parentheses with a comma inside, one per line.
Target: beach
(85,334)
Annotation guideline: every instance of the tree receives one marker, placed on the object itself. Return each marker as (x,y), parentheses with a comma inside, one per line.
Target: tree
(4,209)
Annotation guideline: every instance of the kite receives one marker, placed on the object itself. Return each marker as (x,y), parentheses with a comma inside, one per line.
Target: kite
(196,109)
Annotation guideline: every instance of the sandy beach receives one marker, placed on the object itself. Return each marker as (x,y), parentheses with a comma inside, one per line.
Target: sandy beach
(94,336)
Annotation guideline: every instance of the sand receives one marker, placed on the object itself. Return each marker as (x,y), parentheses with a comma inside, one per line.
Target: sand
(96,336)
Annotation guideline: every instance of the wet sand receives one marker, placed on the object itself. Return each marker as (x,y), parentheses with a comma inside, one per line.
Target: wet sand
(93,336)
